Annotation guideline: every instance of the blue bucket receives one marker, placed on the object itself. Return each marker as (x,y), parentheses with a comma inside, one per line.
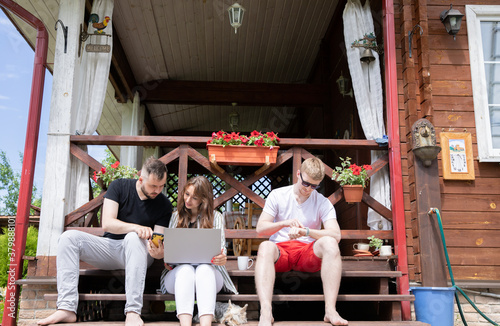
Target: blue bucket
(434,305)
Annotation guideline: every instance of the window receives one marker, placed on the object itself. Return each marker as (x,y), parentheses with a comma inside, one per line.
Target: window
(483,25)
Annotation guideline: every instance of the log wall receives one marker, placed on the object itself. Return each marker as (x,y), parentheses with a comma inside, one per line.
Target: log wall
(470,211)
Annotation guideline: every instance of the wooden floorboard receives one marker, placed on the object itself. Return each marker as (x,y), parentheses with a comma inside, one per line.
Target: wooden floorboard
(255,323)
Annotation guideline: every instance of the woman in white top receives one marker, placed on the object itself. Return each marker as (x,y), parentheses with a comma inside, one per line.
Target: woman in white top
(195,210)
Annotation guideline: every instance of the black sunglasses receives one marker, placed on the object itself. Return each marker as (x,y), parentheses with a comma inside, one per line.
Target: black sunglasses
(307,184)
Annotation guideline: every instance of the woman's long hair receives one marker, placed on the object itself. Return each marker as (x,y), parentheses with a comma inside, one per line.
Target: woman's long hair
(204,191)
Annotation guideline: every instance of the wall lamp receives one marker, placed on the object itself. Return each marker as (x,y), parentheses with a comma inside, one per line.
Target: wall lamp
(344,85)
(451,19)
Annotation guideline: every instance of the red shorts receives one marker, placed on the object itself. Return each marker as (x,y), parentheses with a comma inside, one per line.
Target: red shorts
(297,256)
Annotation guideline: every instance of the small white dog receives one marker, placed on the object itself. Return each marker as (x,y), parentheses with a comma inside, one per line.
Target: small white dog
(228,313)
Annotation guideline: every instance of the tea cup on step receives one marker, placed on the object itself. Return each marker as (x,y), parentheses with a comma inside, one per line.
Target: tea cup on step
(244,263)
(385,251)
(361,246)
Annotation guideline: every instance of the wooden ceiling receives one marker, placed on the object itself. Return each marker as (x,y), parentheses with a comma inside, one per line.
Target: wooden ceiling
(180,54)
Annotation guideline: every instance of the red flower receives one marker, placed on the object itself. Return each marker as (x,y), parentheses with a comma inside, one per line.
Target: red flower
(356,170)
(114,166)
(227,138)
(209,142)
(235,136)
(255,133)
(103,170)
(270,134)
(259,142)
(244,139)
(220,133)
(95,176)
(367,167)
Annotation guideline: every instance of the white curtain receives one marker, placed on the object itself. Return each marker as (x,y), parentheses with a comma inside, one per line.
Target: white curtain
(132,122)
(90,92)
(367,86)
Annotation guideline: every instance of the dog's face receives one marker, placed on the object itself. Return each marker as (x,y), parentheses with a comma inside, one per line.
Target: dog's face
(235,315)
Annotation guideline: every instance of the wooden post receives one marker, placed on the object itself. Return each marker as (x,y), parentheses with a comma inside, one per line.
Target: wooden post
(57,170)
(183,166)
(297,162)
(432,260)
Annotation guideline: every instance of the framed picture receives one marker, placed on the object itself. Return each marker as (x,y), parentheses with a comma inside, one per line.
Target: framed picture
(456,149)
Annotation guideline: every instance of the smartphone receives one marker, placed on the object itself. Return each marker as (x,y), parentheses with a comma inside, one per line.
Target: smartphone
(156,238)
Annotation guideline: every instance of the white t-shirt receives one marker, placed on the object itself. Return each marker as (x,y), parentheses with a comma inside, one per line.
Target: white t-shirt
(281,204)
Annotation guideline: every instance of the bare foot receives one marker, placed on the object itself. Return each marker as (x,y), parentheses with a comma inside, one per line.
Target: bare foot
(60,316)
(266,319)
(335,319)
(133,319)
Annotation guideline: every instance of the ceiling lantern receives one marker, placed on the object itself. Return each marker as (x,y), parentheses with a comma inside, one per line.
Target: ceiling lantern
(235,15)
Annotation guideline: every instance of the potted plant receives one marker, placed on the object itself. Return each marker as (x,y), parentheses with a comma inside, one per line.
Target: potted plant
(108,174)
(352,178)
(233,148)
(375,242)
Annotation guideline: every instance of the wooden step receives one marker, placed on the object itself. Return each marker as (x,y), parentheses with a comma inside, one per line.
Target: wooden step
(247,297)
(255,323)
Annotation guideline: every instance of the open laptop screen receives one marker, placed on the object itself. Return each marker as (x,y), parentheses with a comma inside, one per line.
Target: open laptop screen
(193,246)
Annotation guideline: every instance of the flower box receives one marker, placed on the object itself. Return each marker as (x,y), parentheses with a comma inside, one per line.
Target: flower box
(242,155)
(353,193)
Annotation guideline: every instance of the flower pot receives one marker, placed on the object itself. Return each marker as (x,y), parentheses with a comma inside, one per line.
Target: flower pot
(242,155)
(352,193)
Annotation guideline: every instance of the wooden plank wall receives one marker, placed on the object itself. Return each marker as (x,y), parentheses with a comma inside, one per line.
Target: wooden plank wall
(470,209)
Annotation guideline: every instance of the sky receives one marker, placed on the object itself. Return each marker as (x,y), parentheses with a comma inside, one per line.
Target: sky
(16,71)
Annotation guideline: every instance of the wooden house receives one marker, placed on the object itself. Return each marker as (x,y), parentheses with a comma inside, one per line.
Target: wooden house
(180,70)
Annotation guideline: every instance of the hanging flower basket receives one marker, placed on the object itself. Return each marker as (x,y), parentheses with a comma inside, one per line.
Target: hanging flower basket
(242,155)
(352,193)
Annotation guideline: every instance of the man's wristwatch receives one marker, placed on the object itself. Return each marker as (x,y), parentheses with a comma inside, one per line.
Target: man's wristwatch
(307,231)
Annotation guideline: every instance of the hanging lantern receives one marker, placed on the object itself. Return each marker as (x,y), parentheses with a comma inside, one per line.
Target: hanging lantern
(451,19)
(235,15)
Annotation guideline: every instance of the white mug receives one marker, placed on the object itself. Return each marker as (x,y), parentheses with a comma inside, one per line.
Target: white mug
(243,262)
(361,246)
(385,251)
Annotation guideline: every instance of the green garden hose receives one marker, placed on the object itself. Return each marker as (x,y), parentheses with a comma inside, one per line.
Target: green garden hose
(435,210)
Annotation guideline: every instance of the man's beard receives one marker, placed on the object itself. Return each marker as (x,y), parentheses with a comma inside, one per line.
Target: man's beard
(147,194)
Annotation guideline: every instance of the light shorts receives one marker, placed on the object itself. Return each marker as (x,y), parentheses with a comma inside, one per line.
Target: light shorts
(297,256)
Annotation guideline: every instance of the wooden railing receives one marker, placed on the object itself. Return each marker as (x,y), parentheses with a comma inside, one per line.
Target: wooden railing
(184,149)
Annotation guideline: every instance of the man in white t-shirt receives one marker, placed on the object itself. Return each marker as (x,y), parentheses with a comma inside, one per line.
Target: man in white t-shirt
(292,217)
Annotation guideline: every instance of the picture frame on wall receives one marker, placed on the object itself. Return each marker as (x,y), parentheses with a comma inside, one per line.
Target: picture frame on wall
(457,160)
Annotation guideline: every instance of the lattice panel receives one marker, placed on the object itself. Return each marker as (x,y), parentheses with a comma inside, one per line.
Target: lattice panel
(262,187)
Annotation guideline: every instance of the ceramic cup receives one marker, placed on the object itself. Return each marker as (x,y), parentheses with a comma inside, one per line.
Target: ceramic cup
(361,246)
(385,251)
(244,263)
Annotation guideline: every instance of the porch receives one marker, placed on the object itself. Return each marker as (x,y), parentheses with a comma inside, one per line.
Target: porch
(367,281)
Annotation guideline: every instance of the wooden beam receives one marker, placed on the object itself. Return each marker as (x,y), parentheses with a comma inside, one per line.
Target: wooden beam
(240,187)
(121,72)
(224,93)
(432,259)
(85,157)
(282,158)
(200,142)
(85,209)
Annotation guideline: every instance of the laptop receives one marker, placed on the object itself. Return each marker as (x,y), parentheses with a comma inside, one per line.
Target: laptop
(191,246)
